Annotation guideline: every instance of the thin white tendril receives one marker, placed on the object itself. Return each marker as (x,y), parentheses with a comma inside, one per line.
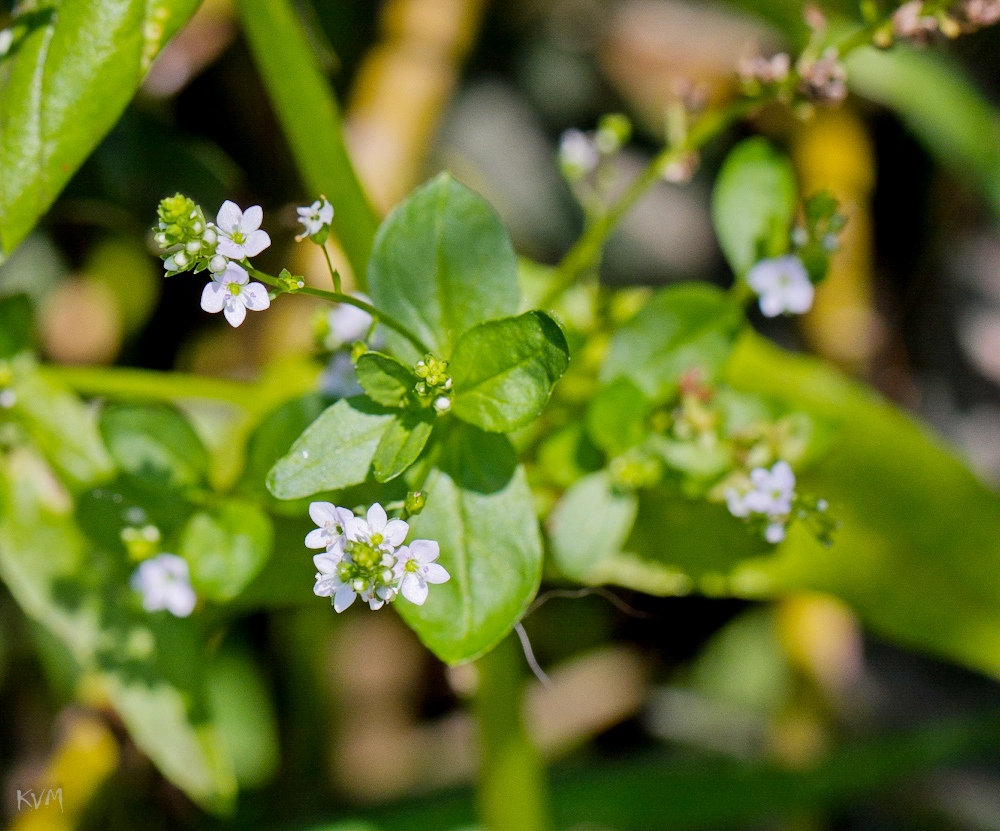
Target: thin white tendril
(575,594)
(529,656)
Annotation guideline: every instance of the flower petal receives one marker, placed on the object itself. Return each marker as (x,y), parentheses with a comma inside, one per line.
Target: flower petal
(436,573)
(376,518)
(317,538)
(327,562)
(414,588)
(772,304)
(344,597)
(235,312)
(256,242)
(235,273)
(775,532)
(395,532)
(229,216)
(230,249)
(213,297)
(322,512)
(799,297)
(325,586)
(425,551)
(180,600)
(255,297)
(252,217)
(356,529)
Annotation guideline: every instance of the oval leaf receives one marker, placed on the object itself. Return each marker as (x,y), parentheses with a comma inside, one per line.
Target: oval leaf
(590,523)
(402,443)
(442,262)
(335,451)
(754,204)
(155,443)
(503,371)
(681,328)
(226,547)
(481,512)
(386,380)
(89,58)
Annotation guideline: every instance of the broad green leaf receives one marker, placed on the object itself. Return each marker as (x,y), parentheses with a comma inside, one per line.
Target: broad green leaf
(226,547)
(617,416)
(686,327)
(915,554)
(385,380)
(70,71)
(754,203)
(442,263)
(401,443)
(310,118)
(155,443)
(335,451)
(481,512)
(503,371)
(590,524)
(940,104)
(60,426)
(15,326)
(146,667)
(274,437)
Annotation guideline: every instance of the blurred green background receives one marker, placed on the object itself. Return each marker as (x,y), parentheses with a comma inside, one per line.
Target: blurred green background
(662,713)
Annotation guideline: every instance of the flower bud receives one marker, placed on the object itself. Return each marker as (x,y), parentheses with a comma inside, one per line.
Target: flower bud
(217,264)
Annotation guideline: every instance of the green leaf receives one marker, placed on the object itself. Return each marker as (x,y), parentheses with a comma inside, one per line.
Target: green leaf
(155,443)
(754,203)
(503,371)
(310,119)
(590,524)
(226,547)
(60,426)
(442,263)
(274,437)
(146,666)
(335,451)
(15,326)
(481,512)
(617,417)
(72,68)
(386,380)
(692,326)
(402,443)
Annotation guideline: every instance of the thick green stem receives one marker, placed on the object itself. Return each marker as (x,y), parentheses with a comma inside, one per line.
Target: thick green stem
(513,792)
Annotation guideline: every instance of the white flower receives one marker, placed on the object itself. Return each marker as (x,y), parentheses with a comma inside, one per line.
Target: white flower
(348,323)
(329,582)
(239,231)
(773,490)
(331,521)
(378,531)
(578,154)
(165,583)
(775,532)
(783,285)
(315,217)
(415,568)
(230,293)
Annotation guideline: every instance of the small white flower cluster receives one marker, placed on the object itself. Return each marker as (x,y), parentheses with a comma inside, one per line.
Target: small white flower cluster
(165,583)
(367,558)
(770,496)
(316,219)
(783,285)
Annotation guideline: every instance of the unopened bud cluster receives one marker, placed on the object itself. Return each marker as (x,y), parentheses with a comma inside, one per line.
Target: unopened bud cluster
(187,240)
(434,386)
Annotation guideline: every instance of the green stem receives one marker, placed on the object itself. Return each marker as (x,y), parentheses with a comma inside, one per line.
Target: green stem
(339,297)
(585,256)
(334,274)
(513,792)
(125,383)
